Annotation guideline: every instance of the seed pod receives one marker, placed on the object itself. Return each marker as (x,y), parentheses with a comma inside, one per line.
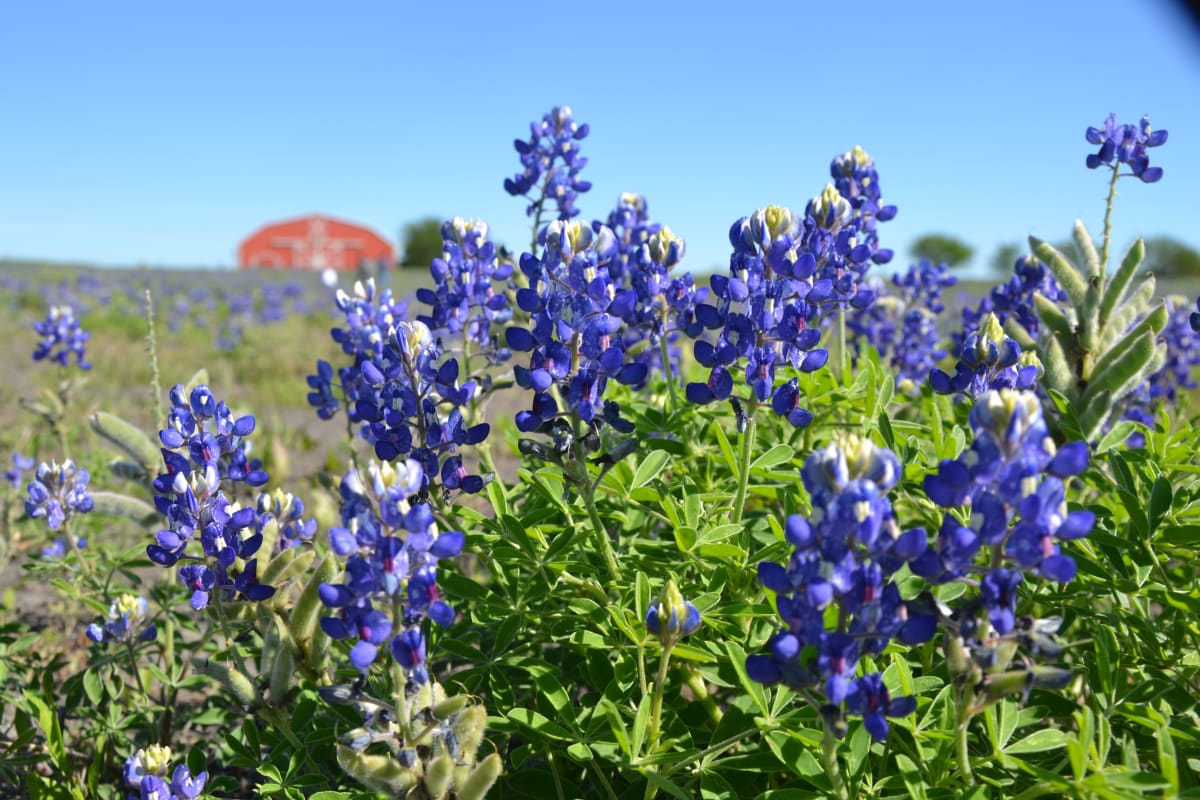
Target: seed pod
(470,726)
(232,679)
(439,775)
(112,504)
(481,779)
(303,621)
(281,675)
(285,565)
(448,708)
(130,439)
(378,773)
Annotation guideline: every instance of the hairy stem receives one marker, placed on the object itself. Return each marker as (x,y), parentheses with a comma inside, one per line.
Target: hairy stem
(160,414)
(656,705)
(739,500)
(829,748)
(602,539)
(1112,193)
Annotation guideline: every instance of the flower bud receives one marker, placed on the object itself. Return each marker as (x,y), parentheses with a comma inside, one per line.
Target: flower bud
(673,617)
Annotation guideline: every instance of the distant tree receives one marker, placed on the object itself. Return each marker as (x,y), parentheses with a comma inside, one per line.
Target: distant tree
(942,249)
(1005,257)
(1169,257)
(422,242)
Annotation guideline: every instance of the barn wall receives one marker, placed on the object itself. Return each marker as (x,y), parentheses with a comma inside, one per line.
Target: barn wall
(313,242)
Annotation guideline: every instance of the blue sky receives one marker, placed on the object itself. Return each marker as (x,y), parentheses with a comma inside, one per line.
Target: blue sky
(164,133)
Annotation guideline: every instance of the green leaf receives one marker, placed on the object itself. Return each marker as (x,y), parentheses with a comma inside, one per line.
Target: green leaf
(580,752)
(93,687)
(1160,502)
(1116,436)
(1181,535)
(737,657)
(1087,248)
(779,454)
(649,468)
(1119,281)
(1037,742)
(1064,271)
(539,723)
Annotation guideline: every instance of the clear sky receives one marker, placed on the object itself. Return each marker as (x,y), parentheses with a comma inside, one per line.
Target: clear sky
(163,133)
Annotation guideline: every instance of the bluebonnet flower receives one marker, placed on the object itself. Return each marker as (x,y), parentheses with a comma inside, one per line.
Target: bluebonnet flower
(652,304)
(147,770)
(465,301)
(1012,300)
(551,164)
(58,492)
(989,359)
(370,316)
(902,324)
(1182,341)
(62,338)
(845,556)
(672,617)
(857,180)
(392,547)
(1195,317)
(787,274)
(1126,144)
(205,455)
(575,337)
(13,474)
(126,622)
(400,392)
(869,698)
(766,313)
(288,512)
(60,547)
(1012,479)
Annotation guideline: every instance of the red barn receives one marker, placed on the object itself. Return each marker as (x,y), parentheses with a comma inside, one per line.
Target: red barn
(314,242)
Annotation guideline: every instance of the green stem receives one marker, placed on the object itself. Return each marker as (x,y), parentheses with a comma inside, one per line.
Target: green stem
(137,674)
(160,414)
(85,566)
(829,748)
(739,500)
(605,544)
(398,678)
(666,364)
(656,705)
(1112,193)
(843,353)
(962,739)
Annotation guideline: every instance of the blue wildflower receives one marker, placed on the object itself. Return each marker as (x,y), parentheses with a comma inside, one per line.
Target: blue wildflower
(1126,144)
(126,622)
(146,772)
(575,340)
(551,164)
(467,301)
(672,617)
(205,455)
(20,464)
(845,555)
(1012,478)
(392,546)
(404,395)
(58,492)
(62,338)
(1182,341)
(989,359)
